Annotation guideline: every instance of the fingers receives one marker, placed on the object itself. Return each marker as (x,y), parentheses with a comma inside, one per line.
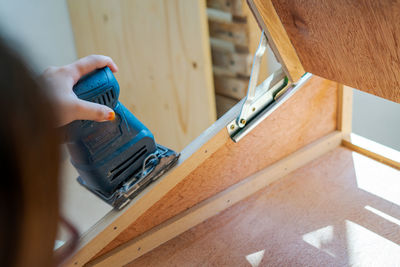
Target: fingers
(90,63)
(92,111)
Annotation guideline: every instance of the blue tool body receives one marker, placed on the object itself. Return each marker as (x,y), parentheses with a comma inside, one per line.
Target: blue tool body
(108,154)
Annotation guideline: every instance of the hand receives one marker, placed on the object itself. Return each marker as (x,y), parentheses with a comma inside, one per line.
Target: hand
(60,81)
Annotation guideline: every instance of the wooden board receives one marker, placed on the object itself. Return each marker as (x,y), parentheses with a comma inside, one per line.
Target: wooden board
(376,151)
(307,116)
(163,53)
(352,42)
(233,32)
(342,209)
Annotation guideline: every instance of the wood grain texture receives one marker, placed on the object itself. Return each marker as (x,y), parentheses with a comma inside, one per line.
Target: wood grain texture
(356,43)
(213,205)
(307,116)
(163,53)
(278,39)
(342,209)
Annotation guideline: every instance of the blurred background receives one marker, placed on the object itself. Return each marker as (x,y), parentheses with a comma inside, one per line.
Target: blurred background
(182,64)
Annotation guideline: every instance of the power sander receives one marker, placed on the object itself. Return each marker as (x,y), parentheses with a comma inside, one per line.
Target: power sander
(115,159)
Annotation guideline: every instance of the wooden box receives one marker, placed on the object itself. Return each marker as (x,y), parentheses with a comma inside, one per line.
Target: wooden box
(297,190)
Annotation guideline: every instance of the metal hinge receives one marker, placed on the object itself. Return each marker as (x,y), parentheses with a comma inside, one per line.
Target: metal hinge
(263,99)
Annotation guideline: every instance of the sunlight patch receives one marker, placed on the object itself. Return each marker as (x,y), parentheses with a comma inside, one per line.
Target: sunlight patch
(365,247)
(376,178)
(255,258)
(320,239)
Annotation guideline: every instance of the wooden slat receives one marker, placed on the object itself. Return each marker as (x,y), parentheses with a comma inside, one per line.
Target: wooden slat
(235,7)
(163,53)
(210,207)
(235,62)
(234,32)
(352,42)
(278,39)
(369,148)
(307,116)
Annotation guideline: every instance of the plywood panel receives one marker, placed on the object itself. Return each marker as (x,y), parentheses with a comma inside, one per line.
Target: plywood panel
(307,116)
(162,50)
(342,209)
(352,42)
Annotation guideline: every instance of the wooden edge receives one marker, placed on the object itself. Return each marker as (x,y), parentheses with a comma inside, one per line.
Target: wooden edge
(133,249)
(116,222)
(278,39)
(345,109)
(373,150)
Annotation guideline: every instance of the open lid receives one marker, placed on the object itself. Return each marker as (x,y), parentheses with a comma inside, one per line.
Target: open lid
(356,43)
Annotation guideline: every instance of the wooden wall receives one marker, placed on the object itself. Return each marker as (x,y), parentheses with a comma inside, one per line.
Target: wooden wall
(163,53)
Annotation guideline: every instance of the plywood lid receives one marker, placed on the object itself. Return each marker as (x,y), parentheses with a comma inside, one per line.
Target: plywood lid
(356,43)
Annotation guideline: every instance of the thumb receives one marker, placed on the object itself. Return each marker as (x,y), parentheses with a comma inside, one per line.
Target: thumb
(92,111)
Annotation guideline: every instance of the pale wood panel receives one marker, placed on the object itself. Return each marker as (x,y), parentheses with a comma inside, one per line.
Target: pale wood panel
(307,116)
(162,50)
(340,210)
(352,42)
